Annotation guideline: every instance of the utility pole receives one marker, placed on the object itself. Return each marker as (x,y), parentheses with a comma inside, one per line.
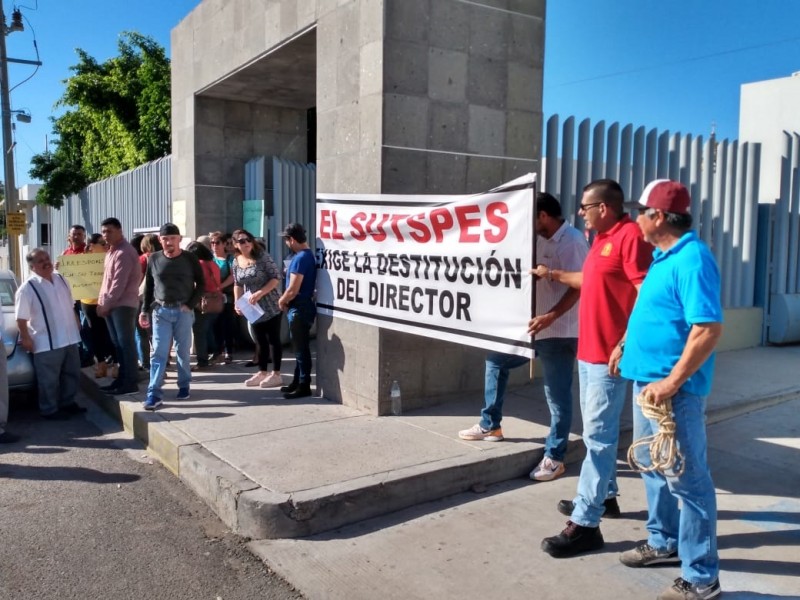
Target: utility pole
(8,154)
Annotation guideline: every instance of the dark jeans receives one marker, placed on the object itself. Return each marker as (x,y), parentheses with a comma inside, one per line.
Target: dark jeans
(224,329)
(100,339)
(143,343)
(302,312)
(85,351)
(121,328)
(268,335)
(201,329)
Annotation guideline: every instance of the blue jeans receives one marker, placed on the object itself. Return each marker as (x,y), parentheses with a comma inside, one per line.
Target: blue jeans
(170,324)
(602,400)
(121,323)
(558,362)
(143,344)
(692,528)
(301,314)
(494,388)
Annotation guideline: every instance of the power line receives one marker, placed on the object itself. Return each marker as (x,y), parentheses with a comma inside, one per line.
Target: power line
(676,62)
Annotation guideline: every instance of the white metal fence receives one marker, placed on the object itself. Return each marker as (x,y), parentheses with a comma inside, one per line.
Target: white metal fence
(288,191)
(722,178)
(755,246)
(140,198)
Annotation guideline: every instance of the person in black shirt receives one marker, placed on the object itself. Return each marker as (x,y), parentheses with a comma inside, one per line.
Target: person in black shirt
(173,286)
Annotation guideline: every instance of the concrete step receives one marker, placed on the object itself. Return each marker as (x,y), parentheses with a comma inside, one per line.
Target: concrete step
(271,468)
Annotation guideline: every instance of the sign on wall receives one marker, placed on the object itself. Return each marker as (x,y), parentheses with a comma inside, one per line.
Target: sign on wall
(453,268)
(15,223)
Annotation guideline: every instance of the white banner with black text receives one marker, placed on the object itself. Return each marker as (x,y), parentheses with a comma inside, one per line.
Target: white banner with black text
(448,267)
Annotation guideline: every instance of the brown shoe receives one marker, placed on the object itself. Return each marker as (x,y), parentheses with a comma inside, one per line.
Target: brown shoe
(101,370)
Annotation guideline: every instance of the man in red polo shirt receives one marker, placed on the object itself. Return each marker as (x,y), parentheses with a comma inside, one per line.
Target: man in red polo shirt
(76,240)
(76,244)
(609,282)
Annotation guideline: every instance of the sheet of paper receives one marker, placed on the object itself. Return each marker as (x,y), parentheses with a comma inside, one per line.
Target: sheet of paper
(251,312)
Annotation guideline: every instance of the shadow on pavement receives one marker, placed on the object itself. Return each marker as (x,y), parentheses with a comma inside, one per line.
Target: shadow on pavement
(64,474)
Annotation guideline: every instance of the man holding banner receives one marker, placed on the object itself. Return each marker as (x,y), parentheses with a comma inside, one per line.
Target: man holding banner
(609,282)
(76,245)
(559,246)
(76,240)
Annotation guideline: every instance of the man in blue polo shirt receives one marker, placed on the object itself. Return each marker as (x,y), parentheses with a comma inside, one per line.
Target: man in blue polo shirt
(669,353)
(298,302)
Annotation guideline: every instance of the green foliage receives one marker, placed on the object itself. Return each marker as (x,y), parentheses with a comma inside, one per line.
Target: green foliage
(118,118)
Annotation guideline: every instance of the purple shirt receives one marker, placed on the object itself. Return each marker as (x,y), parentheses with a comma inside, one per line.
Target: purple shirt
(121,277)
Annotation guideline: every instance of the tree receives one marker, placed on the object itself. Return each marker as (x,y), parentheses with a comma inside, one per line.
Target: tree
(117,118)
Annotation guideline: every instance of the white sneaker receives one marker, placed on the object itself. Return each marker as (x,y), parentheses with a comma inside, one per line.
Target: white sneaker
(548,469)
(272,381)
(475,434)
(256,379)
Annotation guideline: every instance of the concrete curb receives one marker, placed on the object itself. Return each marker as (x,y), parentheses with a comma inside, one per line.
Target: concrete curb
(258,513)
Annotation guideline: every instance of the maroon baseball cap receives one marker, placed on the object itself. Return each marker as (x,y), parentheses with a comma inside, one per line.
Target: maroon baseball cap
(664,194)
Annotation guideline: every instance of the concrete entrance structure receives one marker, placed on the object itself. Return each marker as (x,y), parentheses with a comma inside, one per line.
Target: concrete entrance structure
(411,96)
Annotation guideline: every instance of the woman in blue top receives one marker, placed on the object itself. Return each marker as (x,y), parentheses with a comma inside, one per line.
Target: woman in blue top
(255,272)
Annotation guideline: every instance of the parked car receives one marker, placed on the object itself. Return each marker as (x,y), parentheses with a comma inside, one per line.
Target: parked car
(20,363)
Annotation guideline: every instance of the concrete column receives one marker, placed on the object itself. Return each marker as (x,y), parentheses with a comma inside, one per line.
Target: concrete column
(420,96)
(229,102)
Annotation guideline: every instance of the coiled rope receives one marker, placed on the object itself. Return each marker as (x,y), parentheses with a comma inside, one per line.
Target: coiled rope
(664,453)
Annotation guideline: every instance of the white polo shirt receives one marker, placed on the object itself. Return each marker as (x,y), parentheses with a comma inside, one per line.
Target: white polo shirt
(60,326)
(565,251)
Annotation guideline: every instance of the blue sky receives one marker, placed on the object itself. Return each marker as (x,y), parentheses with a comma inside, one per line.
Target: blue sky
(675,65)
(60,27)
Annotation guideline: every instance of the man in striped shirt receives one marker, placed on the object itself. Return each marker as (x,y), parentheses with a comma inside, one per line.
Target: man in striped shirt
(555,327)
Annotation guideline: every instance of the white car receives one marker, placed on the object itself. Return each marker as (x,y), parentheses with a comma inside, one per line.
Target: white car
(20,363)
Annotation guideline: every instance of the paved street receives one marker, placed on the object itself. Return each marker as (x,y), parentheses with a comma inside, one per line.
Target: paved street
(84,513)
(486,545)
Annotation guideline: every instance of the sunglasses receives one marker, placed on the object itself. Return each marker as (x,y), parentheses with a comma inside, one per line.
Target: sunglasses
(244,241)
(215,242)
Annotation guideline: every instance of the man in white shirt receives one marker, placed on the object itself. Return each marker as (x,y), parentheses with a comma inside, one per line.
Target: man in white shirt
(555,328)
(48,328)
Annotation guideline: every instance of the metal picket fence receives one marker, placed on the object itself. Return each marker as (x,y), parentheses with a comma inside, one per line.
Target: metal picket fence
(722,177)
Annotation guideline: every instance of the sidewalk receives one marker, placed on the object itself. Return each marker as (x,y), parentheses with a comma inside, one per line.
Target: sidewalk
(272,468)
(486,546)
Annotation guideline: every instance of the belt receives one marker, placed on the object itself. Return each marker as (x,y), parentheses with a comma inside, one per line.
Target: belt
(169,304)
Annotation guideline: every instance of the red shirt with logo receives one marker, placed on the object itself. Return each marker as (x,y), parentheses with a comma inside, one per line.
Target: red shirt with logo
(618,261)
(76,250)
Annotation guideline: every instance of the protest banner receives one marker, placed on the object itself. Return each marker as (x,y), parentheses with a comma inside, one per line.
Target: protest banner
(453,268)
(84,273)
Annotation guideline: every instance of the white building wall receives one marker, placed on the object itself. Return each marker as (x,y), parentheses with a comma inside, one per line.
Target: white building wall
(766,110)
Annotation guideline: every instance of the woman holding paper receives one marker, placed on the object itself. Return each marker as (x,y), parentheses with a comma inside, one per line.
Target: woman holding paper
(256,280)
